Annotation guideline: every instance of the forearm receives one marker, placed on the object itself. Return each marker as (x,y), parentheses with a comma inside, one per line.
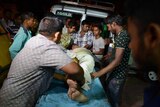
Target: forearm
(108,68)
(98,53)
(88,46)
(74,72)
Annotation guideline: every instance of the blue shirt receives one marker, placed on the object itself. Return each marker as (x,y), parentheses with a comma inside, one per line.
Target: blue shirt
(20,39)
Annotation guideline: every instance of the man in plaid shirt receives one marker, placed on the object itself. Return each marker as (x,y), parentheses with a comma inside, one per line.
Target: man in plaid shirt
(32,69)
(84,38)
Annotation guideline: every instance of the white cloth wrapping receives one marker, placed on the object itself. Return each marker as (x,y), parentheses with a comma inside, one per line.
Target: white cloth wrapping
(86,61)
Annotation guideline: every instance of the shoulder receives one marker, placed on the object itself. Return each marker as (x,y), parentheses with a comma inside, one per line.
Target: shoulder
(90,33)
(101,39)
(123,36)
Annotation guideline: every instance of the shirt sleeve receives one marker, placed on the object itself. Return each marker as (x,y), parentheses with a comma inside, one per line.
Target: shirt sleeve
(54,56)
(17,44)
(122,41)
(90,39)
(75,38)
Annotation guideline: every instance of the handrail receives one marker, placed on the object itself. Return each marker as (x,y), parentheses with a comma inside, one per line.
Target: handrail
(109,6)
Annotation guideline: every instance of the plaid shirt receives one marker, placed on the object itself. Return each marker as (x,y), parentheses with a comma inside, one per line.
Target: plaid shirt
(31,72)
(83,40)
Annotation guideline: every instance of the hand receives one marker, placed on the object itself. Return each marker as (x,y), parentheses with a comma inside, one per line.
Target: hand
(87,46)
(105,57)
(75,46)
(95,75)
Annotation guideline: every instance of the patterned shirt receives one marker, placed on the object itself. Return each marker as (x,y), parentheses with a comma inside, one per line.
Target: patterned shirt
(31,72)
(83,40)
(122,41)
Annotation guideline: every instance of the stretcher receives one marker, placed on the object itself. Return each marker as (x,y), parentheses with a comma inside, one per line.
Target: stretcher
(56,96)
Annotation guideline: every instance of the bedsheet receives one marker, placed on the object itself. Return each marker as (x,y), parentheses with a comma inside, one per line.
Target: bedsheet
(56,96)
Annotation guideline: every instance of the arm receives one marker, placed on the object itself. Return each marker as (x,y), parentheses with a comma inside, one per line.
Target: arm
(100,52)
(75,72)
(87,46)
(17,45)
(89,41)
(112,65)
(75,76)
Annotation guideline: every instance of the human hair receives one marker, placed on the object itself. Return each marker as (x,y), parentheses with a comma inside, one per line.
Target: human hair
(114,18)
(98,25)
(27,15)
(85,22)
(72,23)
(49,25)
(143,12)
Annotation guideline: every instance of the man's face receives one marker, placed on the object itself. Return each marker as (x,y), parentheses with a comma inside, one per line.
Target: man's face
(111,27)
(134,44)
(96,31)
(85,27)
(142,54)
(71,29)
(31,22)
(67,21)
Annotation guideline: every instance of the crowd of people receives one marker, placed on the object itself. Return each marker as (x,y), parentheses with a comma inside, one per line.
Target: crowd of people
(35,57)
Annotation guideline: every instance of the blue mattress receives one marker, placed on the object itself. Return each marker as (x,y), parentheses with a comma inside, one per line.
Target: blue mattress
(56,96)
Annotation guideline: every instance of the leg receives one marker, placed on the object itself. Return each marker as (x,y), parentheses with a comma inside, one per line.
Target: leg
(114,91)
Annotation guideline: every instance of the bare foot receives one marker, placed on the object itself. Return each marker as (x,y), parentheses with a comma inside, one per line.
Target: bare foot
(71,83)
(74,93)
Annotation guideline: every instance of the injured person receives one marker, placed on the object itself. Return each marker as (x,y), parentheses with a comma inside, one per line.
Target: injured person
(84,58)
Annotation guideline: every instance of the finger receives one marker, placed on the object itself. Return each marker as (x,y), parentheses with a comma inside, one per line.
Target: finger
(92,75)
(71,83)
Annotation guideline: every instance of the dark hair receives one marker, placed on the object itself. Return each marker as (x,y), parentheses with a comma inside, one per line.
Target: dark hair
(72,23)
(143,12)
(50,25)
(85,22)
(114,18)
(98,25)
(27,15)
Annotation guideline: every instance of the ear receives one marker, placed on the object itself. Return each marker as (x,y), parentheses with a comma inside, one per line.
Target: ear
(152,35)
(114,23)
(57,34)
(57,37)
